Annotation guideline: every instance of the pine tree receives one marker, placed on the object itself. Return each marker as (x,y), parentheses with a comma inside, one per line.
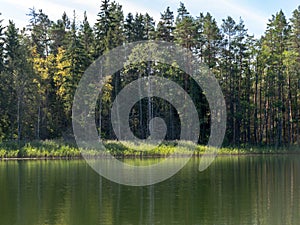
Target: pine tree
(128,28)
(212,39)
(1,46)
(17,70)
(3,108)
(274,44)
(142,27)
(101,28)
(233,70)
(165,26)
(138,27)
(86,36)
(292,63)
(39,27)
(58,33)
(185,35)
(70,64)
(149,27)
(182,13)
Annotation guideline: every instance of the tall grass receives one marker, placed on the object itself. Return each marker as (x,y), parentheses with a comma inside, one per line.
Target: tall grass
(61,149)
(38,149)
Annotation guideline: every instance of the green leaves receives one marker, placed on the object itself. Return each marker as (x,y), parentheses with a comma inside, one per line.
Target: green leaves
(40,70)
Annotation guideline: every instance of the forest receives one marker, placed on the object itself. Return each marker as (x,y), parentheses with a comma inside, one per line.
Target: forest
(41,65)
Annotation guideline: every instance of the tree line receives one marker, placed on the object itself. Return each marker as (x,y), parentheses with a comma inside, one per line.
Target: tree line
(41,65)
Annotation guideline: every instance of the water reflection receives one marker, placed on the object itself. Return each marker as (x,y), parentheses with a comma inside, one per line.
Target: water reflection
(234,190)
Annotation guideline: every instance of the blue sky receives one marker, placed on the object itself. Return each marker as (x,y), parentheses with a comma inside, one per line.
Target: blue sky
(255,13)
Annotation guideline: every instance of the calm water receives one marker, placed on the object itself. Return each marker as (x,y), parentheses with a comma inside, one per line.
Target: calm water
(234,190)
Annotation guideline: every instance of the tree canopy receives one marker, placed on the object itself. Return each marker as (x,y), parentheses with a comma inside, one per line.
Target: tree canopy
(40,68)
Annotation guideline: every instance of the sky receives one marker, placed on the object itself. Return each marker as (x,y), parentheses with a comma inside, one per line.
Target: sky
(255,13)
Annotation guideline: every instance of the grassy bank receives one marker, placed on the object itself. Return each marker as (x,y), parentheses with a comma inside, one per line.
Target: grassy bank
(38,149)
(61,149)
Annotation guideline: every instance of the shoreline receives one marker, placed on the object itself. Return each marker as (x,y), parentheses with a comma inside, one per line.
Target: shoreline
(61,150)
(248,154)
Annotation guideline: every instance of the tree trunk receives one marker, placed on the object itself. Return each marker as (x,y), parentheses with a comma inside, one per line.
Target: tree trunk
(255,109)
(141,122)
(38,122)
(19,117)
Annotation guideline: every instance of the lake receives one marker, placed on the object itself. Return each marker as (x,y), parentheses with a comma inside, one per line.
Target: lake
(233,190)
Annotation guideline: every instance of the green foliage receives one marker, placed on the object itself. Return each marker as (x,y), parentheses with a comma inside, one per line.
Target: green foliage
(39,149)
(40,70)
(165,26)
(60,149)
